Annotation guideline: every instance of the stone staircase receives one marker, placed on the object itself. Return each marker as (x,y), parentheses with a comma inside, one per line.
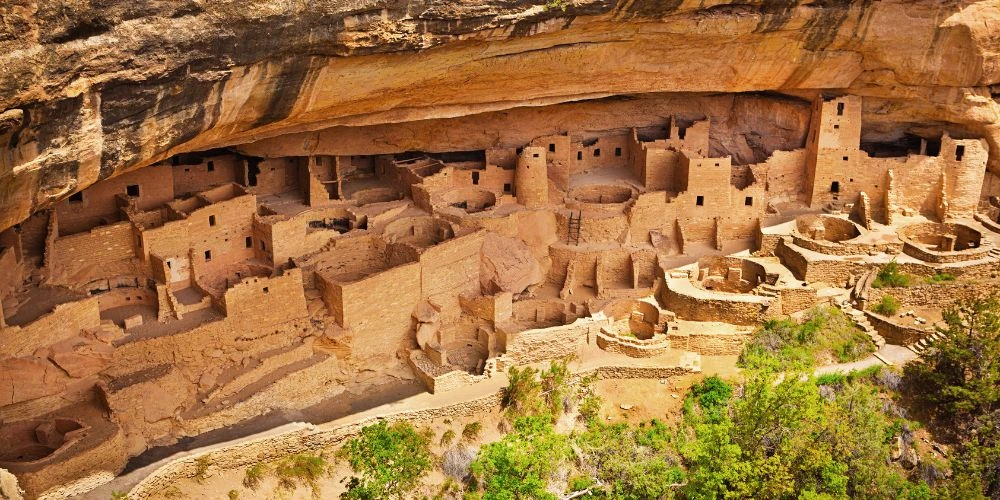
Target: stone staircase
(766,290)
(859,318)
(921,346)
(994,253)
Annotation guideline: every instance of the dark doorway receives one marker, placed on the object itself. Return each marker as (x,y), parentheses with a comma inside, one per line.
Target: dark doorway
(835,187)
(253,170)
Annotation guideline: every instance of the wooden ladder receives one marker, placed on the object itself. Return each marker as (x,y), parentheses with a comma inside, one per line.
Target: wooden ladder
(573,235)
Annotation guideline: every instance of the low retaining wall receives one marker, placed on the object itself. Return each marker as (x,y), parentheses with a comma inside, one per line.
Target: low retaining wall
(895,333)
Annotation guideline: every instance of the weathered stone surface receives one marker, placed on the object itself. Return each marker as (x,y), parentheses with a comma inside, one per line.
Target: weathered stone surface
(91,89)
(22,379)
(507,265)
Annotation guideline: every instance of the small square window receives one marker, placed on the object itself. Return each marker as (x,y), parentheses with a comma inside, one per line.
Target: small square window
(249,242)
(618,151)
(132,190)
(76,197)
(579,155)
(716,164)
(266,290)
(535,155)
(845,158)
(597,152)
(552,148)
(211,166)
(208,255)
(506,187)
(187,169)
(748,201)
(211,220)
(700,201)
(836,126)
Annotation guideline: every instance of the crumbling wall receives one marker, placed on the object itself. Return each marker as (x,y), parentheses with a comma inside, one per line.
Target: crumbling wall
(65,321)
(99,205)
(261,302)
(212,171)
(377,308)
(73,257)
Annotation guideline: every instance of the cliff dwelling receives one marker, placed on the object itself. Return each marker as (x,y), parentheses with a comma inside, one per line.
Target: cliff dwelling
(192,275)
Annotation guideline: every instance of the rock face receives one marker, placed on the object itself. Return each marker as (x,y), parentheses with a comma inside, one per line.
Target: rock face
(93,88)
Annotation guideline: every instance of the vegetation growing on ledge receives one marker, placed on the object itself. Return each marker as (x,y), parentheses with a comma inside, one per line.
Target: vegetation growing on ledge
(891,277)
(826,333)
(940,277)
(888,306)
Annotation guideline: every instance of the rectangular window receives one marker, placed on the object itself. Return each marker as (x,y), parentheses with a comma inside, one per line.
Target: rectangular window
(597,152)
(840,109)
(846,158)
(506,187)
(700,201)
(835,187)
(579,155)
(552,148)
(76,197)
(959,152)
(211,166)
(748,201)
(132,190)
(211,220)
(475,177)
(535,155)
(618,151)
(836,125)
(249,242)
(208,255)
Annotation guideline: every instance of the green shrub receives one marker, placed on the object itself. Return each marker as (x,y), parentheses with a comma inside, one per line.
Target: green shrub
(589,407)
(119,495)
(940,277)
(471,431)
(712,395)
(890,277)
(201,465)
(300,468)
(254,475)
(831,379)
(888,306)
(234,495)
(447,437)
(389,461)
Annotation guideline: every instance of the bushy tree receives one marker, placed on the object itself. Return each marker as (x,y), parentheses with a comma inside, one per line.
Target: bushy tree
(520,464)
(390,460)
(781,439)
(959,382)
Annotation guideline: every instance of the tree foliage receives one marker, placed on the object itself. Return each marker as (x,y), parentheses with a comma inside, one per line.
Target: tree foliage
(389,461)
(959,383)
(519,465)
